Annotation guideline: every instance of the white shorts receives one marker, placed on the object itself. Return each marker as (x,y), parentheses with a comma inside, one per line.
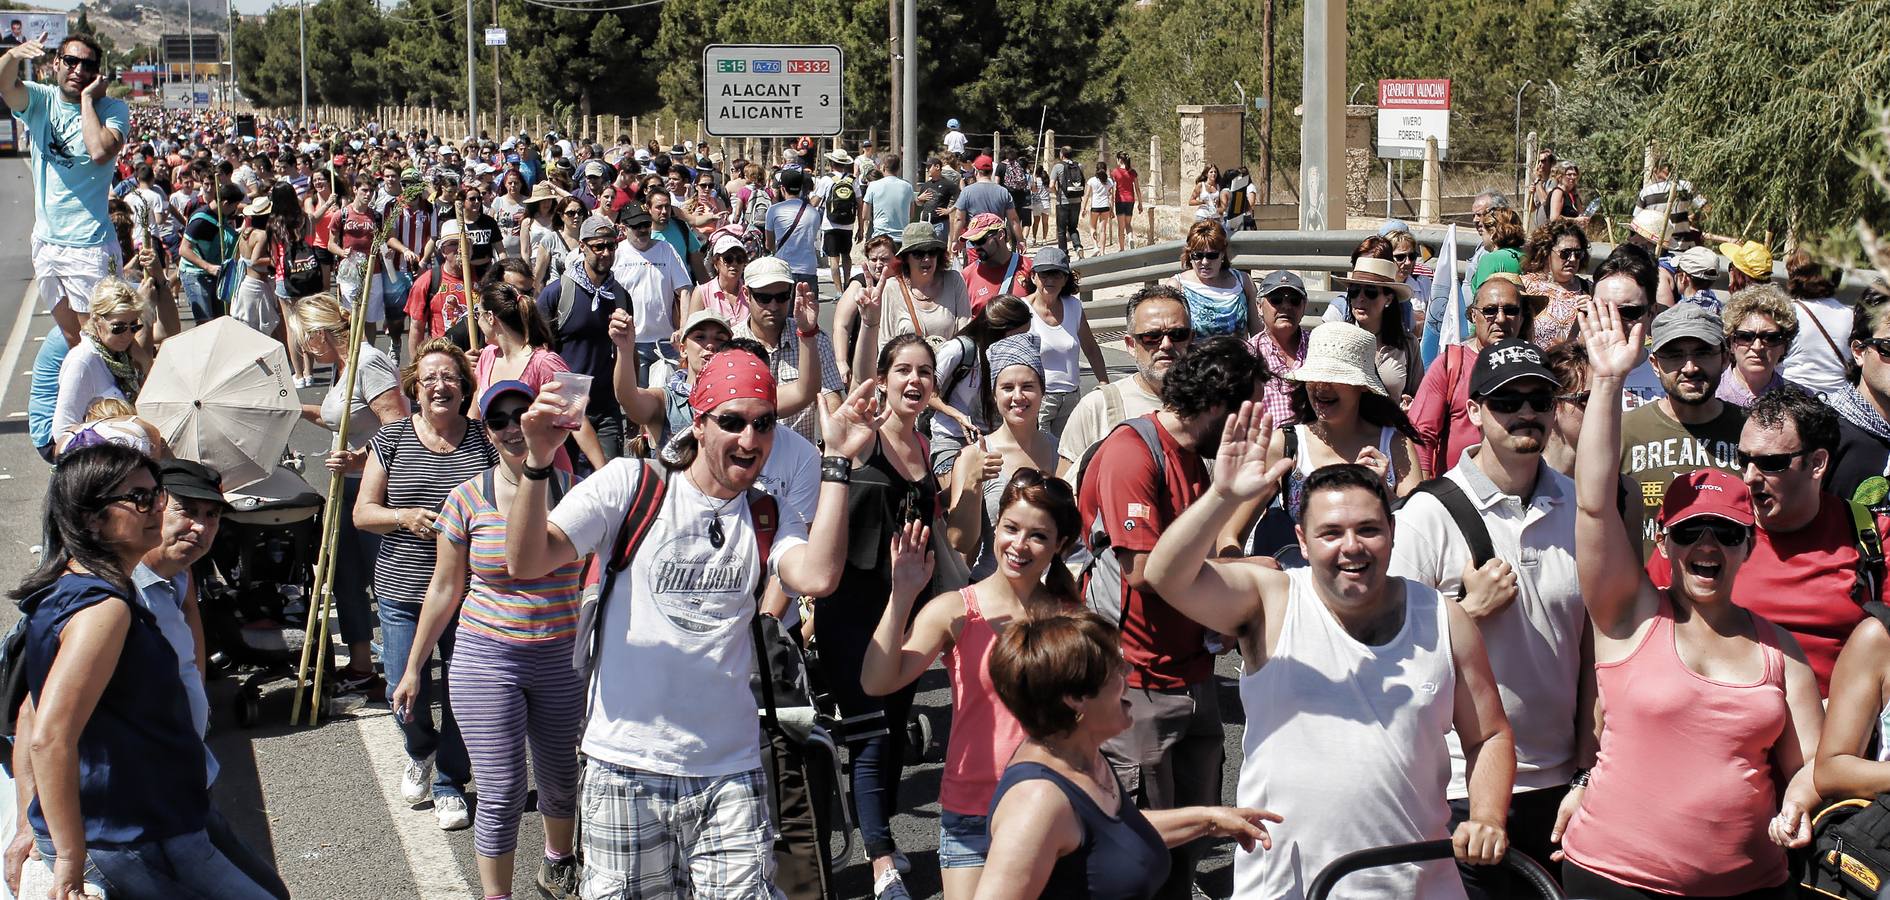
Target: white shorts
(71,273)
(376,307)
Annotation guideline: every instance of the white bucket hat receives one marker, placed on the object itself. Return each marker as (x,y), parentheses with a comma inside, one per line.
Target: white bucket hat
(1341,353)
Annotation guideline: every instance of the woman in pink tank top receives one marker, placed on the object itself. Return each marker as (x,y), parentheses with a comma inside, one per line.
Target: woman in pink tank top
(1036,524)
(1707,707)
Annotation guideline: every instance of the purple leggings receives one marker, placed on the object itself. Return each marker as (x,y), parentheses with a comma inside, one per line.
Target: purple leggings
(507,695)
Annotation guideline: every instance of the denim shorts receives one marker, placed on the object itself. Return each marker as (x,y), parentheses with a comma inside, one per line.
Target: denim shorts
(963,841)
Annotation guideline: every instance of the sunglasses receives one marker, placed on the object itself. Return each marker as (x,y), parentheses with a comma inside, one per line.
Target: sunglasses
(1285,298)
(1572,254)
(1769,463)
(574,212)
(122,327)
(1767,338)
(1404,257)
(1881,345)
(1728,534)
(1510,401)
(1579,398)
(734,424)
(1204,255)
(771,297)
(1631,313)
(643,227)
(979,243)
(79,62)
(1371,293)
(601,246)
(1150,340)
(500,420)
(141,499)
(1506,310)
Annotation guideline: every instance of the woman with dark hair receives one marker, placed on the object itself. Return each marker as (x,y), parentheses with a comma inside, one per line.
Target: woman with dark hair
(1552,267)
(254,303)
(107,741)
(556,251)
(1345,415)
(963,408)
(1123,180)
(1037,524)
(1061,823)
(1221,298)
(518,348)
(1056,318)
(880,253)
(299,272)
(975,484)
(892,485)
(1206,196)
(415,464)
(1375,296)
(508,209)
(1565,200)
(1821,354)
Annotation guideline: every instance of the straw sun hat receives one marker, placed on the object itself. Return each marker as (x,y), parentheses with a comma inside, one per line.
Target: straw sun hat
(1341,353)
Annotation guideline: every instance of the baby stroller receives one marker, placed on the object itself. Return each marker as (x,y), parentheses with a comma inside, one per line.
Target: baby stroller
(257,583)
(1525,868)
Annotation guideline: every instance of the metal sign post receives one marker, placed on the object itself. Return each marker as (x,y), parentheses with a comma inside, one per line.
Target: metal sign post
(771,90)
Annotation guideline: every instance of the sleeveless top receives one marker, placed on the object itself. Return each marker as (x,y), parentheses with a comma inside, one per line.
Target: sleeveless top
(419,477)
(1707,834)
(1216,310)
(984,733)
(880,501)
(1057,345)
(1122,857)
(1296,479)
(1347,741)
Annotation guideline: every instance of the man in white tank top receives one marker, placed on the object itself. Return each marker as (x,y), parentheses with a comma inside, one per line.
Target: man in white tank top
(1352,677)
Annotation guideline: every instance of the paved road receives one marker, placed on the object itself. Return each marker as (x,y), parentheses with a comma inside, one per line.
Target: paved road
(323,802)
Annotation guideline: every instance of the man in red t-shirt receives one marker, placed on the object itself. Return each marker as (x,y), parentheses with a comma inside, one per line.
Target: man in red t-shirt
(994,268)
(434,308)
(1802,572)
(1171,756)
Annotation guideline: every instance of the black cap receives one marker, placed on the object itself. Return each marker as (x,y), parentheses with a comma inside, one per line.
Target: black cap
(1506,361)
(632,215)
(188,478)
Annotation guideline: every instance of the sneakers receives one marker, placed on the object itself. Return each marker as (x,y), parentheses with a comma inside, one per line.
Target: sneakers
(890,887)
(351,681)
(450,810)
(417,781)
(558,880)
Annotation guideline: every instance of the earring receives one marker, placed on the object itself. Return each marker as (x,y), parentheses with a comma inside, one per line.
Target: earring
(1079,717)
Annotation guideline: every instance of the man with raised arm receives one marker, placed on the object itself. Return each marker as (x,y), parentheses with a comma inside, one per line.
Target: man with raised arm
(1351,679)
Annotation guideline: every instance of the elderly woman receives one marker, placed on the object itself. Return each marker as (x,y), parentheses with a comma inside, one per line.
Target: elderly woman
(376,401)
(416,464)
(1221,299)
(104,363)
(1760,326)
(1552,267)
(513,684)
(1061,824)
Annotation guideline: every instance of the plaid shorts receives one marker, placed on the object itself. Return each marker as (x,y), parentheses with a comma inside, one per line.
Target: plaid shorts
(651,835)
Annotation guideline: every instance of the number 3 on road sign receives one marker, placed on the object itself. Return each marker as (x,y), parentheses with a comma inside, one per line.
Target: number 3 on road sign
(823,99)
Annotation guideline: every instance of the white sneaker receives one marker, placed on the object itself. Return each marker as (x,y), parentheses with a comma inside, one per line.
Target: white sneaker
(417,781)
(890,887)
(450,810)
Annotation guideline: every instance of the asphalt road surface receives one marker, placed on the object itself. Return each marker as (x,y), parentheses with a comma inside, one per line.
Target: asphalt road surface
(323,802)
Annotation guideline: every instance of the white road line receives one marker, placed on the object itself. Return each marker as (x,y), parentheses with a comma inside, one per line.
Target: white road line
(22,326)
(436,872)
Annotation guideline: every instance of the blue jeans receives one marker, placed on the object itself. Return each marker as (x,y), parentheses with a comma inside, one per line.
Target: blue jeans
(354,571)
(963,841)
(452,769)
(647,352)
(212,864)
(200,288)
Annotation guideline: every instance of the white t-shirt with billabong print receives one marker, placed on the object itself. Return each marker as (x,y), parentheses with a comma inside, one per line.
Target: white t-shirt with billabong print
(674,653)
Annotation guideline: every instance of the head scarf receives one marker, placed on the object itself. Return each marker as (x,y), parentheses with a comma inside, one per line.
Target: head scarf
(731,375)
(1017,350)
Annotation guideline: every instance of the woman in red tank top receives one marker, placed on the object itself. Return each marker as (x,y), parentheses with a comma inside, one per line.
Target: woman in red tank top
(1708,707)
(1036,524)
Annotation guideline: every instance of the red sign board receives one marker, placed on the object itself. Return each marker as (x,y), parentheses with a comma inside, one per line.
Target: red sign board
(1414,93)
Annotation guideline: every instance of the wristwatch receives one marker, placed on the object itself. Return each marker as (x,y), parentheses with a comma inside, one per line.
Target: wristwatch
(535,473)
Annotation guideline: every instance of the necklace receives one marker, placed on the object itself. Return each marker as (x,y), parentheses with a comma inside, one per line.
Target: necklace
(716,536)
(507,477)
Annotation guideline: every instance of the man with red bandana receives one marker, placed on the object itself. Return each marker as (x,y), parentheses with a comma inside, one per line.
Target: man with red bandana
(674,796)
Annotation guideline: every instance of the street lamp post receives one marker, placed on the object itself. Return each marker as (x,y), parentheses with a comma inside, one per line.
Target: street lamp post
(302,5)
(472,88)
(190,36)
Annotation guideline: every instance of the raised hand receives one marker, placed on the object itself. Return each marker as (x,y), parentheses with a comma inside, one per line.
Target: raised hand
(30,50)
(853,424)
(911,561)
(1240,469)
(623,331)
(540,423)
(806,310)
(1614,349)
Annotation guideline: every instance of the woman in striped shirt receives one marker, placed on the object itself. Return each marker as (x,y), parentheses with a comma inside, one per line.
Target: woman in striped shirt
(416,463)
(513,683)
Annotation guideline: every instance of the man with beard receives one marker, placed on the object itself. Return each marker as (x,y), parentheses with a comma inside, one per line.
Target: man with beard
(1689,428)
(1440,410)
(1806,571)
(1525,599)
(1158,335)
(1171,756)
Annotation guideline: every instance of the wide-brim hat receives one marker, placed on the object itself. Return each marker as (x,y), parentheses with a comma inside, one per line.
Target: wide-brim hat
(1370,271)
(1341,353)
(259,207)
(839,157)
(919,237)
(541,193)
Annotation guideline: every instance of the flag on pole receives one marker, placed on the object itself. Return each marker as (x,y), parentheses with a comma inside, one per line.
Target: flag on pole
(1447,317)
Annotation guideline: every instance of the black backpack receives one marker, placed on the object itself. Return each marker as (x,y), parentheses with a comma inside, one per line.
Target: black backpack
(1071,188)
(1850,839)
(843,201)
(302,270)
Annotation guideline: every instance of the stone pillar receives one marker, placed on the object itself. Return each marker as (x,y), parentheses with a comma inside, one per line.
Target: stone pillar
(1360,121)
(1210,136)
(698,132)
(600,136)
(636,131)
(1430,192)
(997,145)
(1157,182)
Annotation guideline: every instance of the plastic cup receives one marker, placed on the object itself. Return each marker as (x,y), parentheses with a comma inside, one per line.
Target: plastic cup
(574,389)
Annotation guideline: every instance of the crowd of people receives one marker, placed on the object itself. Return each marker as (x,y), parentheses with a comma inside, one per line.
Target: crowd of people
(604,461)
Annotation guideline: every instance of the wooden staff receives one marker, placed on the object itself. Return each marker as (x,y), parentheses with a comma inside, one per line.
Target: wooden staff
(465,287)
(316,633)
(1666,222)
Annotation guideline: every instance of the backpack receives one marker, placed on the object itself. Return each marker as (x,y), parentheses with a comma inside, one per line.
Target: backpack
(1016,178)
(1070,188)
(843,201)
(301,270)
(13,668)
(1870,557)
(1101,576)
(1850,839)
(1457,503)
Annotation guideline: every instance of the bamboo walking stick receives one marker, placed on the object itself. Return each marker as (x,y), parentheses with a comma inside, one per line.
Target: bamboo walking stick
(316,634)
(465,288)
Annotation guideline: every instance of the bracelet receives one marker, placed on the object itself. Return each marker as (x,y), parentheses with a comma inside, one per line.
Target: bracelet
(535,473)
(1580,779)
(836,469)
(807,333)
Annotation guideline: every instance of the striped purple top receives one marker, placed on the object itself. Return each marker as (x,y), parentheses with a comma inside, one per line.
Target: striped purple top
(498,606)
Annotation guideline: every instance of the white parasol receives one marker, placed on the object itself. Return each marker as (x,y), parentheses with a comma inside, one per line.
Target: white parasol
(222,394)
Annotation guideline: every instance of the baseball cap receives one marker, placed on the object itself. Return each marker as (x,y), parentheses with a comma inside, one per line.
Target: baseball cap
(1506,361)
(982,163)
(596,226)
(500,389)
(951,123)
(633,214)
(982,224)
(793,180)
(1750,257)
(1687,320)
(1282,281)
(189,478)
(642,155)
(1050,259)
(1706,492)
(725,241)
(700,317)
(767,271)
(1698,262)
(596,169)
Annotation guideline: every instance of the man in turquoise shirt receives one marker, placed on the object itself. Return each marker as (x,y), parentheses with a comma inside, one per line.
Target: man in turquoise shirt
(75,132)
